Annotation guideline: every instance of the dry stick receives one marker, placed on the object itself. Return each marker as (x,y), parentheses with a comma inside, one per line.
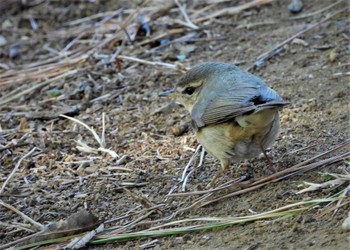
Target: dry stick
(345,192)
(234,10)
(331,209)
(288,170)
(217,1)
(63,59)
(90,18)
(207,195)
(190,37)
(199,12)
(297,150)
(253,25)
(149,244)
(226,185)
(25,217)
(11,98)
(183,12)
(160,36)
(314,165)
(308,167)
(71,43)
(167,65)
(194,155)
(6,246)
(37,73)
(29,67)
(267,55)
(44,69)
(132,224)
(14,146)
(15,169)
(186,177)
(80,57)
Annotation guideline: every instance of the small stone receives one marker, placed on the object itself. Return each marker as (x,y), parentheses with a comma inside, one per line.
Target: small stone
(295,6)
(90,170)
(346,224)
(333,56)
(206,237)
(7,24)
(170,122)
(150,84)
(300,42)
(179,240)
(3,40)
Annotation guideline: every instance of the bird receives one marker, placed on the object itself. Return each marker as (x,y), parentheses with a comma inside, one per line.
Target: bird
(234,113)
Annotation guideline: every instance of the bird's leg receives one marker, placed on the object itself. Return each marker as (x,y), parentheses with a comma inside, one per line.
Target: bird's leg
(269,161)
(224,167)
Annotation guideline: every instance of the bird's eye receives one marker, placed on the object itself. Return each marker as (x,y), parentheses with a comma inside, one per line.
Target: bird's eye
(189,90)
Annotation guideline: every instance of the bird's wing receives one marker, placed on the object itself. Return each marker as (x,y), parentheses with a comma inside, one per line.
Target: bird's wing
(238,100)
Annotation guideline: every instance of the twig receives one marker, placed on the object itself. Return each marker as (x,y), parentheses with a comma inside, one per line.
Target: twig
(27,91)
(167,65)
(194,155)
(267,55)
(297,150)
(201,160)
(183,12)
(258,184)
(253,246)
(101,141)
(149,244)
(25,217)
(161,36)
(95,16)
(297,166)
(233,10)
(13,243)
(252,25)
(14,146)
(212,190)
(133,223)
(341,74)
(15,169)
(71,43)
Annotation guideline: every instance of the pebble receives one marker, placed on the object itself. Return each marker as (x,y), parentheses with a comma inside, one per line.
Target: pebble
(3,41)
(90,170)
(346,224)
(295,6)
(7,24)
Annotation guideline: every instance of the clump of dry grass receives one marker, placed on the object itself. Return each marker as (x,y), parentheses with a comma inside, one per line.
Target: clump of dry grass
(83,147)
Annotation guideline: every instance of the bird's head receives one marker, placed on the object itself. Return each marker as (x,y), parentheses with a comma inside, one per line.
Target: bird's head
(190,85)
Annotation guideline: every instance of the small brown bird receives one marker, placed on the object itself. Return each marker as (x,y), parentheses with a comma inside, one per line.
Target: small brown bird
(234,113)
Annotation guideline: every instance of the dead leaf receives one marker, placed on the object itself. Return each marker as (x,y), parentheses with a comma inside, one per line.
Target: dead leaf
(79,222)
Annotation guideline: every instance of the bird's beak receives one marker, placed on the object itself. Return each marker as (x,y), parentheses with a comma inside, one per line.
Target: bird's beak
(170,92)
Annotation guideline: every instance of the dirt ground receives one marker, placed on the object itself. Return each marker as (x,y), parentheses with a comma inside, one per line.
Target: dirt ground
(152,135)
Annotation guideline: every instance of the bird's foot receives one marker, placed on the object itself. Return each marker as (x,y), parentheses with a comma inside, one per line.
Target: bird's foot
(271,169)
